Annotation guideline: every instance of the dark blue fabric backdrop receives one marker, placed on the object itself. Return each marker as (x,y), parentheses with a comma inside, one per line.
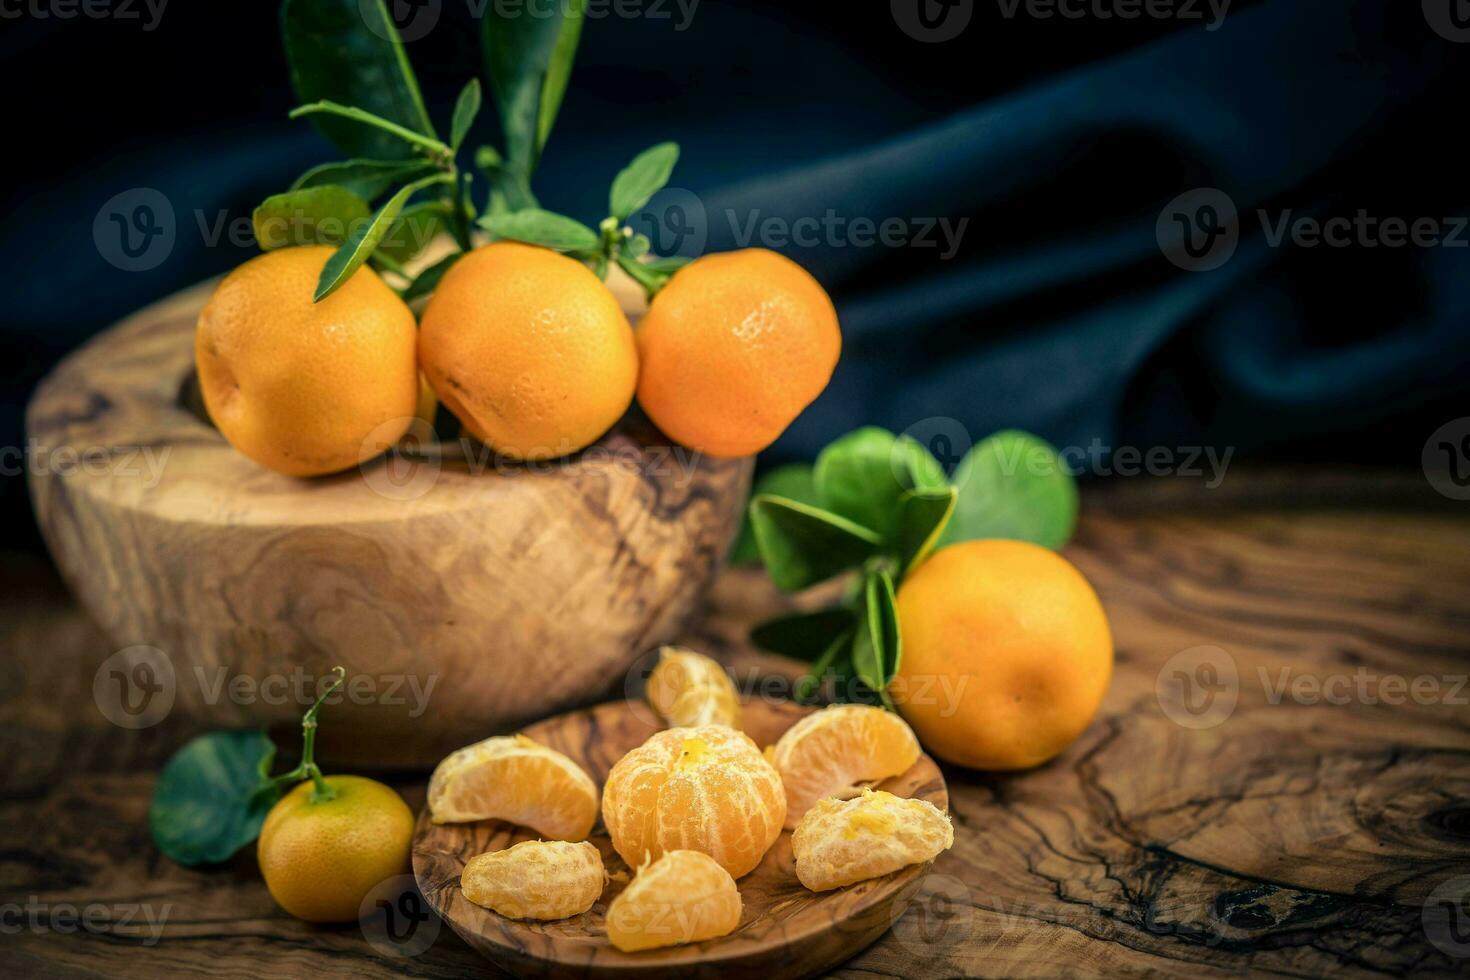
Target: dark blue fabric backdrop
(1057,142)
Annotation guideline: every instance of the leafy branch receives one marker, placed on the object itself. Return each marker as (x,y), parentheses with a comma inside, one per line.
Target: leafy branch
(353,77)
(874,506)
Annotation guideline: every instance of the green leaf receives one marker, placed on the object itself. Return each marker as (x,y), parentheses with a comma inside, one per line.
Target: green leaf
(368,179)
(670,265)
(1013,485)
(559,71)
(414,229)
(803,636)
(428,280)
(641,179)
(863,474)
(802,545)
(325,215)
(792,481)
(348,51)
(922,517)
(212,797)
(465,111)
(528,60)
(830,659)
(350,257)
(545,228)
(877,649)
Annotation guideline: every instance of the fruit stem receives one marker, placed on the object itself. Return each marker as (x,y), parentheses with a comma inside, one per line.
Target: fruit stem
(308,768)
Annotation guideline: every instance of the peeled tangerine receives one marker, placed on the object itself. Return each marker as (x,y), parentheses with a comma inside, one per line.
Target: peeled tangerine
(683,897)
(705,789)
(514,779)
(536,879)
(830,752)
(840,842)
(690,689)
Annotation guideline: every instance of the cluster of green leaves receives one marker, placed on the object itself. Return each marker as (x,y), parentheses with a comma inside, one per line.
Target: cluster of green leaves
(401,185)
(876,505)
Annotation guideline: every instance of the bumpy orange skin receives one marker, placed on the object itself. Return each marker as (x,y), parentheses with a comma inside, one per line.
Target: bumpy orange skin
(733,349)
(306,388)
(320,860)
(1006,654)
(529,349)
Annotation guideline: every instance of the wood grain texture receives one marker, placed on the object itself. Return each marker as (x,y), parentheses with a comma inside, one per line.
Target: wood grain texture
(1294,838)
(514,590)
(785,930)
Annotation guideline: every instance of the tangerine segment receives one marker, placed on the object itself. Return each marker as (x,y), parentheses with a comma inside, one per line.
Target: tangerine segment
(830,752)
(536,879)
(683,897)
(840,842)
(705,789)
(514,779)
(689,689)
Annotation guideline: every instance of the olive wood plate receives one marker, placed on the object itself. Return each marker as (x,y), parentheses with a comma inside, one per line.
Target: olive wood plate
(785,930)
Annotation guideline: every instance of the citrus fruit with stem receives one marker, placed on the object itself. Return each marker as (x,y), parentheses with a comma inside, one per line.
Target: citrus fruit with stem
(689,689)
(840,842)
(331,840)
(306,388)
(529,350)
(1006,654)
(681,897)
(733,349)
(705,789)
(536,879)
(515,779)
(834,751)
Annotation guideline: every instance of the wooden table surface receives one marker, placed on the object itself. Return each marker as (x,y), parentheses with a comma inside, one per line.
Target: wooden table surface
(1279,780)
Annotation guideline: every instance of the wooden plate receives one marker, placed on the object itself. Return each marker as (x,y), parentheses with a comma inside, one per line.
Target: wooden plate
(785,930)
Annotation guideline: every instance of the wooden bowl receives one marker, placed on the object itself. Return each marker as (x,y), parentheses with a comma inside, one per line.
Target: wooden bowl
(785,930)
(463,596)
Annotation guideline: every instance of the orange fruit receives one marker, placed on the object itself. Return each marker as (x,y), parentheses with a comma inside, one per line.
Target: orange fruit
(515,779)
(321,859)
(682,897)
(840,842)
(704,789)
(536,879)
(733,349)
(688,689)
(529,349)
(1006,654)
(832,751)
(306,388)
